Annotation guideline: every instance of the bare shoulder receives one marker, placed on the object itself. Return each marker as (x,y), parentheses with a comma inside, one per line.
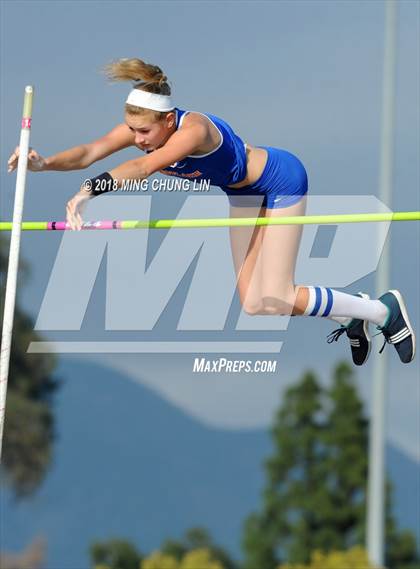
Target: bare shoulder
(193,118)
(210,136)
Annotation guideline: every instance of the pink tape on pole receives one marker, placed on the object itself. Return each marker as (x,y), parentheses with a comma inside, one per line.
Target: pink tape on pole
(58,225)
(88,225)
(26,122)
(98,225)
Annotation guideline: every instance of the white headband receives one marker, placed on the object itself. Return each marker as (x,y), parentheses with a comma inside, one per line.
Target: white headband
(152,101)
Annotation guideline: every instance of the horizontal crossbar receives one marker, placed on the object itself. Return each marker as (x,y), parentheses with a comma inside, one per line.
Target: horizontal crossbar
(220,222)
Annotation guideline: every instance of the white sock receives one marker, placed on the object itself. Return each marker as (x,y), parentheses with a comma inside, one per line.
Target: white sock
(326,302)
(343,320)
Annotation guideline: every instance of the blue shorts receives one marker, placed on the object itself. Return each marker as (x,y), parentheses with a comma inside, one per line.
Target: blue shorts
(283,183)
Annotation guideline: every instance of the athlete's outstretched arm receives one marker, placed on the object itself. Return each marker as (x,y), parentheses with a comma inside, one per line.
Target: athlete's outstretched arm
(80,156)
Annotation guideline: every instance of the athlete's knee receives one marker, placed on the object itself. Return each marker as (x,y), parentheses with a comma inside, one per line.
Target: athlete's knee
(280,304)
(253,308)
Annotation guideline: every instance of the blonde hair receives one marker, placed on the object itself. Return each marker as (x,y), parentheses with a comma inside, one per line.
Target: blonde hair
(146,77)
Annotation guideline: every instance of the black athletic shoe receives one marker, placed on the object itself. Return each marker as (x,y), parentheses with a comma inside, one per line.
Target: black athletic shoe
(397,329)
(358,335)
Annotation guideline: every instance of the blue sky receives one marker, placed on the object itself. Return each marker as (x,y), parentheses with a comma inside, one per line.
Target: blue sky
(305,76)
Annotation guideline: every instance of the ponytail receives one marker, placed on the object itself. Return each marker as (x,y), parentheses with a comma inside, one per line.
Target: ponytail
(145,76)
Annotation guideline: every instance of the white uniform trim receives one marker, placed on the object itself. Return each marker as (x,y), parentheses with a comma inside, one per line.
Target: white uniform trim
(324,301)
(311,301)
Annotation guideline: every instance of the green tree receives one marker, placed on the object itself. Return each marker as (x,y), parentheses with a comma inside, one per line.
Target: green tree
(346,441)
(200,559)
(195,559)
(289,524)
(115,554)
(29,421)
(196,546)
(315,495)
(347,436)
(355,558)
(159,560)
(197,538)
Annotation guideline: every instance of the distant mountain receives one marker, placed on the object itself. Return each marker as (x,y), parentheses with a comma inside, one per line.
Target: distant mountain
(128,464)
(405,476)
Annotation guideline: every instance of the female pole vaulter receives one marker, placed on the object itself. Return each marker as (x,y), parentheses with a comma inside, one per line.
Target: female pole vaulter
(201,146)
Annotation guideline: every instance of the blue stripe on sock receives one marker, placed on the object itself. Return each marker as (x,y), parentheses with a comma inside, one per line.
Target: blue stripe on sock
(329,302)
(318,299)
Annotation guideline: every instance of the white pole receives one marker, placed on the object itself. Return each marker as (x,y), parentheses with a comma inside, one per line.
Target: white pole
(376,483)
(10,297)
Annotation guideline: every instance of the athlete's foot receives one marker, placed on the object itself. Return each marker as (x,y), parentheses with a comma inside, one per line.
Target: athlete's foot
(397,329)
(358,334)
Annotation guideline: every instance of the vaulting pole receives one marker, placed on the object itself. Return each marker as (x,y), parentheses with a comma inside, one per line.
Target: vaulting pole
(10,296)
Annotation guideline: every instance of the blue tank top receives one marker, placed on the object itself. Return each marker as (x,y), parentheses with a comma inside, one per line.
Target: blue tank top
(223,166)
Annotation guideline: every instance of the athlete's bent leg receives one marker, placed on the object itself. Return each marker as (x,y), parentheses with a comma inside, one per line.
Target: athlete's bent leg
(246,247)
(280,295)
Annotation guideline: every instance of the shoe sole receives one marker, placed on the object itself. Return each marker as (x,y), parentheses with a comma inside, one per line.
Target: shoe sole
(366,330)
(403,309)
